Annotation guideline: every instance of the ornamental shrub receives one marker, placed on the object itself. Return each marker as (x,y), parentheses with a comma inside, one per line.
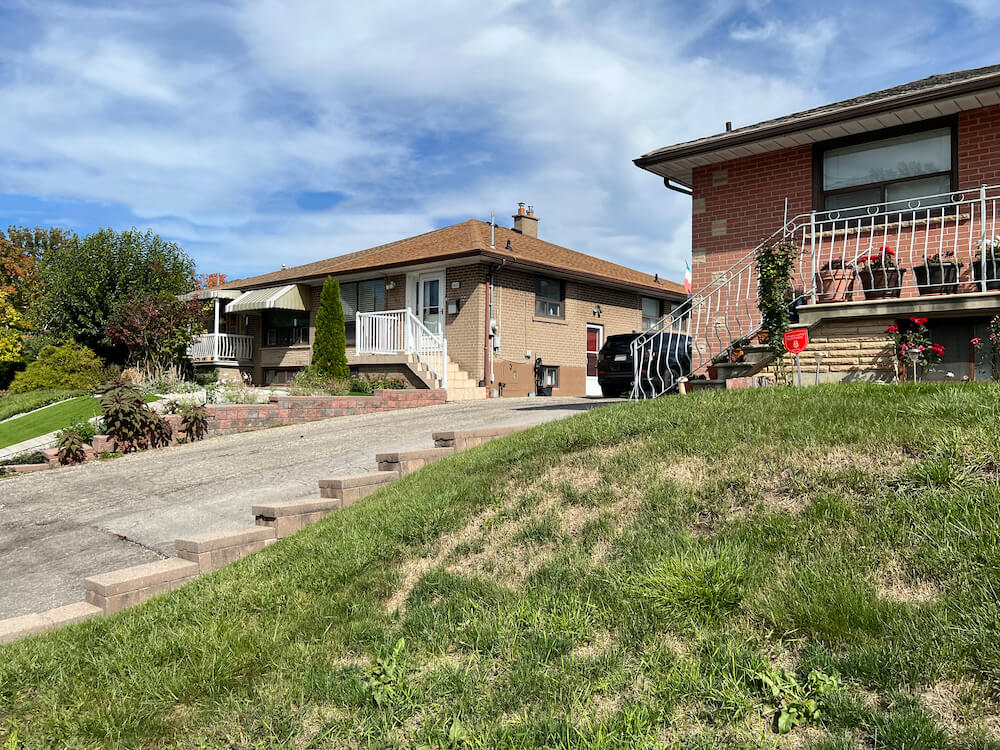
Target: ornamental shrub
(330,345)
(132,424)
(69,365)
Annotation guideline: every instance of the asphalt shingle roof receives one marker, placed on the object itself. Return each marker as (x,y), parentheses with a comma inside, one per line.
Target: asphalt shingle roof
(468,238)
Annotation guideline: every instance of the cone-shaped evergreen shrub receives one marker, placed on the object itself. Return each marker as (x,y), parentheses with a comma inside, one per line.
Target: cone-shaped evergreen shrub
(330,344)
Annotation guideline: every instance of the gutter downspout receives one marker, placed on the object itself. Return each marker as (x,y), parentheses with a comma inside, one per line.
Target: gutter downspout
(487,343)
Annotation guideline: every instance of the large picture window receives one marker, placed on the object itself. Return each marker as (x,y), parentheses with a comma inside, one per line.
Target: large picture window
(891,170)
(360,296)
(549,298)
(285,328)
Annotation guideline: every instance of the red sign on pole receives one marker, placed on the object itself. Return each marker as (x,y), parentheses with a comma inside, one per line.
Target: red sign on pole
(796,340)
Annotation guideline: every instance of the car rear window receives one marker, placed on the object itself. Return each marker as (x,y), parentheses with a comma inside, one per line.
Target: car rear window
(617,346)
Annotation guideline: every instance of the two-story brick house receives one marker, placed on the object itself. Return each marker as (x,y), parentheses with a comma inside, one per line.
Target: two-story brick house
(907,177)
(474,307)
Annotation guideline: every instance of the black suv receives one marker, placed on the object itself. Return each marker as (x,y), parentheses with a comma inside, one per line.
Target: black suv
(667,356)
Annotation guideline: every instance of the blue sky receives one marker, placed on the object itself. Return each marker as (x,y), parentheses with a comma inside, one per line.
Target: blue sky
(283,131)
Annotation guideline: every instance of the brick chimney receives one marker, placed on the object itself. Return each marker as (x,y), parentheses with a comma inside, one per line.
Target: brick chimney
(525,222)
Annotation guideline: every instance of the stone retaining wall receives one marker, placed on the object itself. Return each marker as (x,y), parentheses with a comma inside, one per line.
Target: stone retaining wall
(224,419)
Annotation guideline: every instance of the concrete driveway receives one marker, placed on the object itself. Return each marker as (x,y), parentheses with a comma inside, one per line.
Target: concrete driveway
(58,527)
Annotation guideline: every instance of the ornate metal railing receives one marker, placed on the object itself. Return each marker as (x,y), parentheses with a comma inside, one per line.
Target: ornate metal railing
(935,244)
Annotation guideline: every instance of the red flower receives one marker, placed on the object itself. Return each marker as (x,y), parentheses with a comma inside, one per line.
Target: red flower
(891,329)
(938,349)
(886,250)
(918,321)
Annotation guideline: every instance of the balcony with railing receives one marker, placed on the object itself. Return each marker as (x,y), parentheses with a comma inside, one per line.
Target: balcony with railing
(935,252)
(221,347)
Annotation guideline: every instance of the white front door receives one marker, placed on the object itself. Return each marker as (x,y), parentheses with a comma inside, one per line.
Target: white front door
(430,305)
(595,339)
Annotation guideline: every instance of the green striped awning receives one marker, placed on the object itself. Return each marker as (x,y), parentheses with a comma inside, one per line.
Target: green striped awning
(290,297)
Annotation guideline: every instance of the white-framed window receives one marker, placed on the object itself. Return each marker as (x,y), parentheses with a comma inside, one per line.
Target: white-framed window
(652,311)
(549,297)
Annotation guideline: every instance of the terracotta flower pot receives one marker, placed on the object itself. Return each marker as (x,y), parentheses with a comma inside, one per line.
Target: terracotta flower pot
(836,284)
(881,283)
(937,278)
(763,336)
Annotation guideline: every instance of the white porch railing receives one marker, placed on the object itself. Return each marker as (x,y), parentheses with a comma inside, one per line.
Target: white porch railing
(213,347)
(927,245)
(402,332)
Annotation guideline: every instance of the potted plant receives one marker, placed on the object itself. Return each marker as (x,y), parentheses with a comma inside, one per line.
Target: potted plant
(880,277)
(987,265)
(938,274)
(835,281)
(913,346)
(736,351)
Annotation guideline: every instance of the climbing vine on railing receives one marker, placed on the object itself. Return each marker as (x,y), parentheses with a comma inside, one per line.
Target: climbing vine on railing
(774,283)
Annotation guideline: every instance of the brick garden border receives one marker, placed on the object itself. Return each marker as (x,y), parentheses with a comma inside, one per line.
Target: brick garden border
(230,419)
(202,553)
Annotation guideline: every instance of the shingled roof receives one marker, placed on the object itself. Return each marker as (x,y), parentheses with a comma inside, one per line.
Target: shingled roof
(915,92)
(469,238)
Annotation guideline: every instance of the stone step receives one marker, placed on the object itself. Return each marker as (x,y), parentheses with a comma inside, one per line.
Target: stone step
(287,518)
(462,439)
(215,549)
(406,462)
(129,586)
(351,488)
(15,628)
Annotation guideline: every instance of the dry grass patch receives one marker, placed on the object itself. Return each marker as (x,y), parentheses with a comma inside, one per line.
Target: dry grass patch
(960,707)
(896,585)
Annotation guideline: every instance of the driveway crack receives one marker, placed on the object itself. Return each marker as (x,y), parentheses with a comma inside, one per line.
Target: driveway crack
(134,542)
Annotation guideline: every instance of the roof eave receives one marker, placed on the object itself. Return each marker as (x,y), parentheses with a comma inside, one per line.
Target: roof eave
(737,138)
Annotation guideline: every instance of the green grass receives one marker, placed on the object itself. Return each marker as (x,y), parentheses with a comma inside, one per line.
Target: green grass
(18,403)
(633,577)
(49,419)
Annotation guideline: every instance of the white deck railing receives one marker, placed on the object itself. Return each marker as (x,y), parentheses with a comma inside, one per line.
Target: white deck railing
(213,347)
(928,245)
(402,332)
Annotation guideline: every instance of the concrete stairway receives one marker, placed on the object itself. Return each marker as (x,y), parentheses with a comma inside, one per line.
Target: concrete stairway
(461,387)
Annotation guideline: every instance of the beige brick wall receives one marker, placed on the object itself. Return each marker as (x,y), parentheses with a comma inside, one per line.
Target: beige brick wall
(561,343)
(465,330)
(854,350)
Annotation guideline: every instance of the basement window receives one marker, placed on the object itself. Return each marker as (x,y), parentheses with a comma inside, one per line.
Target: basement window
(896,170)
(549,297)
(549,376)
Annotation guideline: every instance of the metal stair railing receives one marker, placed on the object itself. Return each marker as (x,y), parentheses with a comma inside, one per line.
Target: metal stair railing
(402,332)
(931,238)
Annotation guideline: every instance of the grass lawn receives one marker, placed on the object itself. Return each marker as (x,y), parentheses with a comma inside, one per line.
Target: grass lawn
(46,420)
(18,403)
(666,574)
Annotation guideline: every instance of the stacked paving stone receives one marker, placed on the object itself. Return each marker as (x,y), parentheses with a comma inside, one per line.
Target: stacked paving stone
(203,553)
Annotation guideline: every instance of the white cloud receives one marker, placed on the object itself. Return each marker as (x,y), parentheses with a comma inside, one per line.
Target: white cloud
(416,112)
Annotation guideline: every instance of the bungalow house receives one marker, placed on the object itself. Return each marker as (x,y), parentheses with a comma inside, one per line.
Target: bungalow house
(476,308)
(888,199)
